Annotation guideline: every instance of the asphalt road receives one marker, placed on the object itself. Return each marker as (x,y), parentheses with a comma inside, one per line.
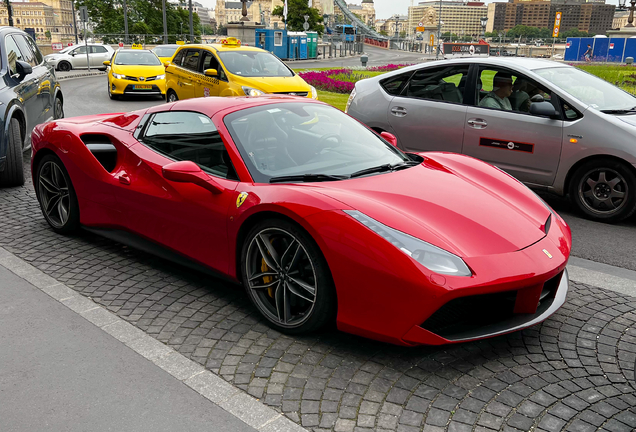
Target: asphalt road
(608,244)
(377,57)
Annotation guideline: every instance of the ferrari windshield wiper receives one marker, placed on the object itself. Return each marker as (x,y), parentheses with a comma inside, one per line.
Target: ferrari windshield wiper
(384,168)
(307,178)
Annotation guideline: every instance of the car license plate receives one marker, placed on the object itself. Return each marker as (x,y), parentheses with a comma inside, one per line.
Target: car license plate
(142,87)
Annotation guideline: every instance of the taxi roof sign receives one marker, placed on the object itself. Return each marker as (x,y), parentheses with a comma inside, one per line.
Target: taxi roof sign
(180,43)
(231,41)
(137,46)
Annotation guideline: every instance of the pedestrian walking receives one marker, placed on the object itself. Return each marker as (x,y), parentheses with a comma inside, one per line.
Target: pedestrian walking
(588,54)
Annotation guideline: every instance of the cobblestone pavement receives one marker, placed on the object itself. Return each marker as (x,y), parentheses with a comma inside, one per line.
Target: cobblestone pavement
(574,372)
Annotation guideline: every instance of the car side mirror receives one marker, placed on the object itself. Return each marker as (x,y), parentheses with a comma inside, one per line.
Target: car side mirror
(166,64)
(211,72)
(23,68)
(390,138)
(189,172)
(106,63)
(543,109)
(537,98)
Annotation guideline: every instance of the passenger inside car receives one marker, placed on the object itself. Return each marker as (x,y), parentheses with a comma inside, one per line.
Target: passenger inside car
(501,90)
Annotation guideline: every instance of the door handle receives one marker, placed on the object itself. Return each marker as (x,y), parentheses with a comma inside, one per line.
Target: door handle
(398,111)
(477,123)
(124,178)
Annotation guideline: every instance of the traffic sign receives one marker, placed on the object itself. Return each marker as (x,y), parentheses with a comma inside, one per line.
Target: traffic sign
(83,10)
(306,26)
(432,39)
(57,46)
(557,24)
(121,44)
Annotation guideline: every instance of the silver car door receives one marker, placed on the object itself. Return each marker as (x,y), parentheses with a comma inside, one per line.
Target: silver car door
(429,113)
(78,56)
(501,130)
(98,54)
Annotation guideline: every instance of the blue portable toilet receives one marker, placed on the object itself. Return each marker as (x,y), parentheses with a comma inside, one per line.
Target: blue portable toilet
(272,40)
(292,53)
(302,44)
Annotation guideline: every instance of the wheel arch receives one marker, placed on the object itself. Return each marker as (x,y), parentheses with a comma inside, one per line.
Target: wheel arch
(578,164)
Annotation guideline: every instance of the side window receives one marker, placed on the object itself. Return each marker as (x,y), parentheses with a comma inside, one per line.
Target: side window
(503,90)
(184,135)
(394,85)
(178,59)
(569,112)
(80,50)
(13,54)
(445,83)
(39,58)
(191,60)
(27,54)
(209,62)
(98,50)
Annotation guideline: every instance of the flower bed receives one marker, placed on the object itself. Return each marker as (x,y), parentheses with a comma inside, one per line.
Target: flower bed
(341,80)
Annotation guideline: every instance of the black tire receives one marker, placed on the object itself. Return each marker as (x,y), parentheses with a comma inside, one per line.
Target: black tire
(171,96)
(307,266)
(111,95)
(604,190)
(64,66)
(58,109)
(50,168)
(13,173)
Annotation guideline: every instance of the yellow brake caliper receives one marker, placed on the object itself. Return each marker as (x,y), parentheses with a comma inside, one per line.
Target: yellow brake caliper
(267,279)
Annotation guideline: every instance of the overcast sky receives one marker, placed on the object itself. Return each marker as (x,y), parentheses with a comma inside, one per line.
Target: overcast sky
(383,8)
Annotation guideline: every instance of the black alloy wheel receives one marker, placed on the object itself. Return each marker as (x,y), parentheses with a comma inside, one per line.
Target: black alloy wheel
(58,112)
(13,173)
(287,277)
(604,190)
(56,195)
(64,66)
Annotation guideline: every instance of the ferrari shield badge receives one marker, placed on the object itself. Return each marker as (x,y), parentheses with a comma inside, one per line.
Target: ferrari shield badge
(241,199)
(548,254)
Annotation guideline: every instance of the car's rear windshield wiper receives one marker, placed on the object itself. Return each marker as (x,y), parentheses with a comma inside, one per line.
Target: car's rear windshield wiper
(385,167)
(307,178)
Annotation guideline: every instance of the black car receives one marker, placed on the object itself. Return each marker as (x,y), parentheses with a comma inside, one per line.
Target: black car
(29,95)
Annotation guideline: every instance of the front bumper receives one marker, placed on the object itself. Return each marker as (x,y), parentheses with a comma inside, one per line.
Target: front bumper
(52,62)
(127,87)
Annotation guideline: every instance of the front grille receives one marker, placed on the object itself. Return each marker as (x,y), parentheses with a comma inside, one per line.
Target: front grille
(471,313)
(303,94)
(129,78)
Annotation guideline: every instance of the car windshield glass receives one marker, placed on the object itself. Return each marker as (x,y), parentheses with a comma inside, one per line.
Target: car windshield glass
(65,50)
(587,88)
(311,140)
(164,51)
(142,58)
(254,64)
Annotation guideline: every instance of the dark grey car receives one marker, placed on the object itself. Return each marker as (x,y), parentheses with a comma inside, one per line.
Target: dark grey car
(561,130)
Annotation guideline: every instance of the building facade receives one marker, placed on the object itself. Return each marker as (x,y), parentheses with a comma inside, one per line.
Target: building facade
(63,30)
(620,19)
(591,17)
(35,15)
(458,17)
(232,11)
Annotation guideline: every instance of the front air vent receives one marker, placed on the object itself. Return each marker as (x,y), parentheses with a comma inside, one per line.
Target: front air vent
(102,148)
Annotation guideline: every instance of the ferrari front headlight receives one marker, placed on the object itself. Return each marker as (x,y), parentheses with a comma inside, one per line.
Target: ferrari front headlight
(118,76)
(249,91)
(433,258)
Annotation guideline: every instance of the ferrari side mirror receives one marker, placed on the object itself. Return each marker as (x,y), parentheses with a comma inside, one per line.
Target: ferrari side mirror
(389,137)
(189,172)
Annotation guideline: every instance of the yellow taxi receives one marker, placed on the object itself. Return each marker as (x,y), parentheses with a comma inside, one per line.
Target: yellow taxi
(135,72)
(165,52)
(230,69)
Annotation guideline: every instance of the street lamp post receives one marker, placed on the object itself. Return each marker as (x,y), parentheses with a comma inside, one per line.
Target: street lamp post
(439,29)
(484,21)
(500,35)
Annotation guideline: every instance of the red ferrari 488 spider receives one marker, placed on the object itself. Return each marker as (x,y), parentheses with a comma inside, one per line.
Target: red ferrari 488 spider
(319,218)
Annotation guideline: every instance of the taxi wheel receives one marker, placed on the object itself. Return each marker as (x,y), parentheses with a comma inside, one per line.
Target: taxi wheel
(64,66)
(171,96)
(110,95)
(604,190)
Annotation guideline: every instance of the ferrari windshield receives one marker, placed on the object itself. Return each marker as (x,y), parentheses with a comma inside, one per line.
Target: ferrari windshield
(140,58)
(587,88)
(254,64)
(309,141)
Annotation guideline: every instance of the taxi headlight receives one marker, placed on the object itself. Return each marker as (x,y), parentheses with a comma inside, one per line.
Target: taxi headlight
(160,77)
(351,97)
(433,258)
(314,92)
(118,76)
(249,91)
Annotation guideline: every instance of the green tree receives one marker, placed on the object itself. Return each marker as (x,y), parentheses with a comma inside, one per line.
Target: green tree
(47,34)
(383,33)
(296,10)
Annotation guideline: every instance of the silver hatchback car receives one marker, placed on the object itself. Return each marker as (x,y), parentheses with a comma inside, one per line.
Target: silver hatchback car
(74,57)
(550,125)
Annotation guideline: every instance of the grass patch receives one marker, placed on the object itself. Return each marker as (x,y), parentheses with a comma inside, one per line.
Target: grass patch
(338,100)
(621,76)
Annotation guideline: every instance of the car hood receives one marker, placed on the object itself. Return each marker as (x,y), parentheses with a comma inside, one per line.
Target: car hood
(471,214)
(274,84)
(630,119)
(137,70)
